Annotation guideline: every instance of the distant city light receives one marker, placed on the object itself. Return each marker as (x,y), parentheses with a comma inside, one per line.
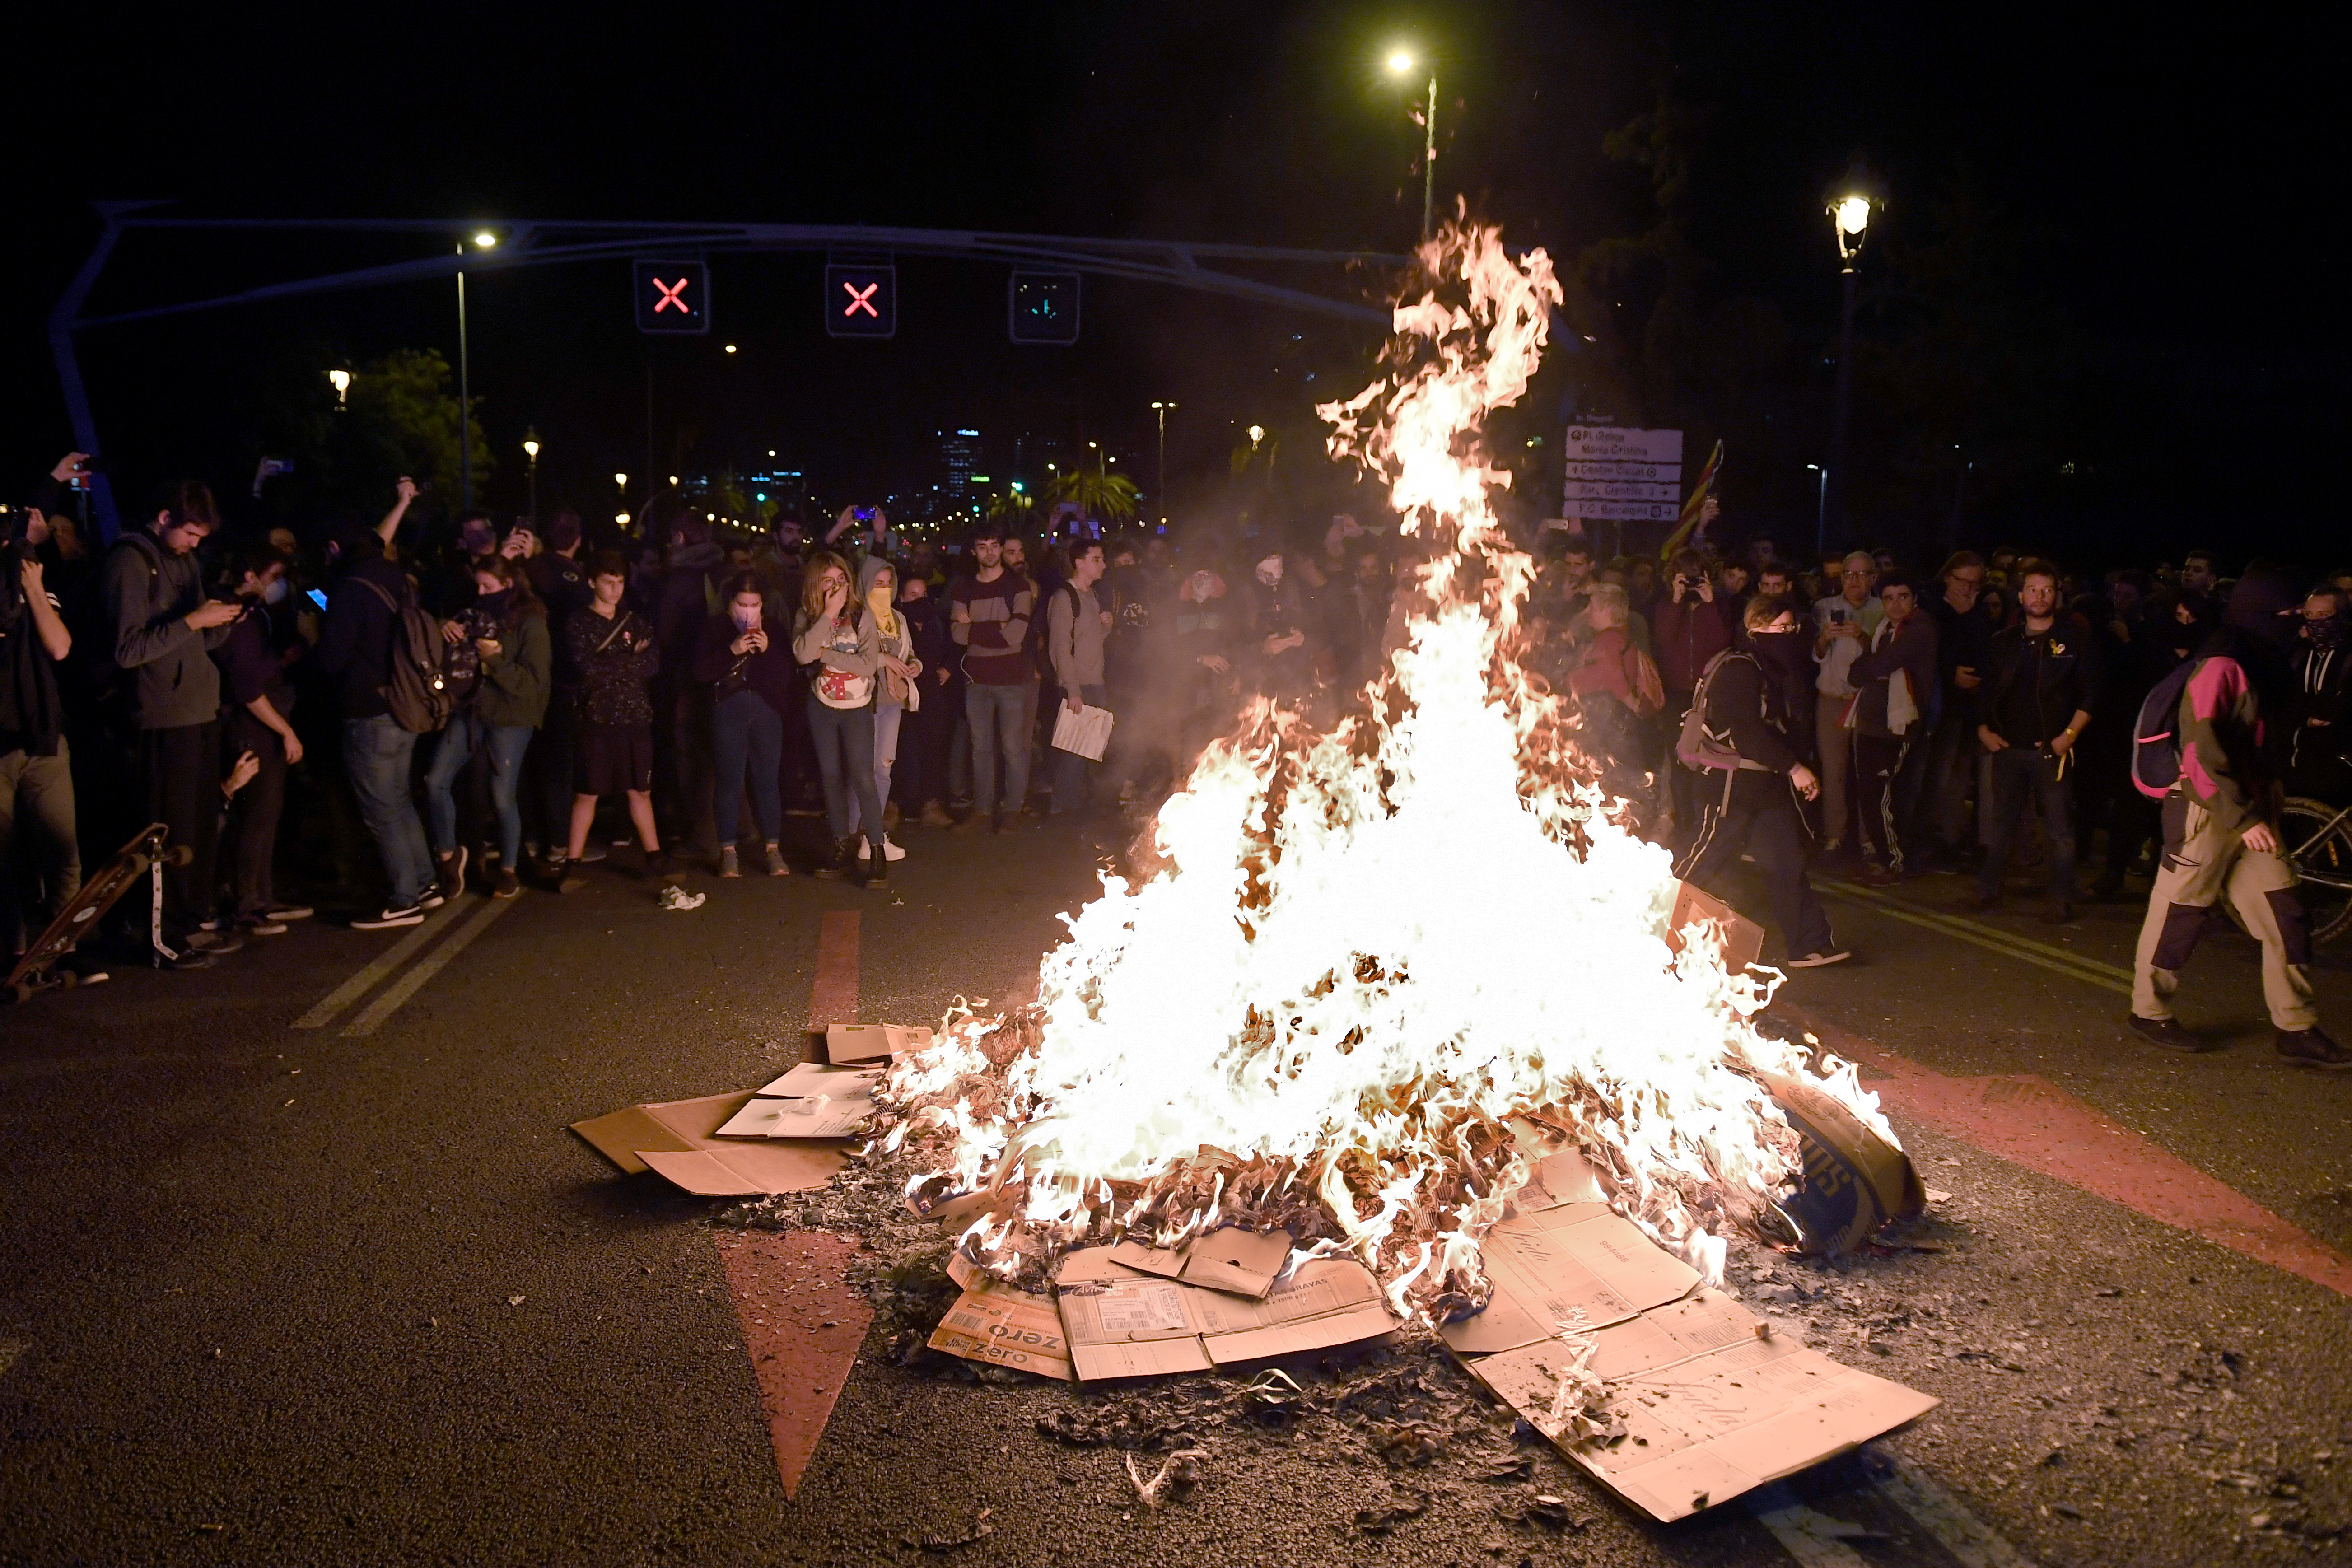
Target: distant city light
(1400,62)
(485,239)
(622,518)
(622,480)
(731,348)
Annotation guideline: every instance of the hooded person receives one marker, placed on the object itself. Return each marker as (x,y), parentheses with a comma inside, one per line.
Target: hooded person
(2221,827)
(1741,738)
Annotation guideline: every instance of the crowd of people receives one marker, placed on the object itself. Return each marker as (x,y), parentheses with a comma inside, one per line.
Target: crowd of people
(1848,713)
(488,705)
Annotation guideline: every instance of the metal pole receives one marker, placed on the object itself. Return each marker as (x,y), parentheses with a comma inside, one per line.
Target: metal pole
(465,399)
(534,489)
(1844,397)
(1821,519)
(77,395)
(1429,159)
(1163,468)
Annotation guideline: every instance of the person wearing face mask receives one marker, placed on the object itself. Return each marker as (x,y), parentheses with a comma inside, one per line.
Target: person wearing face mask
(507,666)
(1277,631)
(2220,832)
(259,720)
(896,689)
(746,662)
(2318,765)
(1742,737)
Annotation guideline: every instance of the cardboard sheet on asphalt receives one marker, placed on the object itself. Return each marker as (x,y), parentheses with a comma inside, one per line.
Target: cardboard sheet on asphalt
(678,1140)
(847,1045)
(1710,1408)
(1122,1322)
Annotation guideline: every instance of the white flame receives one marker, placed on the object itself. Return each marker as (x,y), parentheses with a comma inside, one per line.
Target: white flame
(1371,949)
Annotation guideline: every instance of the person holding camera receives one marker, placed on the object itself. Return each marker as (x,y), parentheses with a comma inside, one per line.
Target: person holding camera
(36,770)
(510,664)
(747,664)
(617,656)
(165,629)
(260,725)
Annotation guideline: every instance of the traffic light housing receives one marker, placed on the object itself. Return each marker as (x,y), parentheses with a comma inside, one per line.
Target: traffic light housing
(1044,308)
(672,296)
(861,300)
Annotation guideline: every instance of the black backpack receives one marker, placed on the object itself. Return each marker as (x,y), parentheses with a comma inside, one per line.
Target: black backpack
(2155,734)
(419,694)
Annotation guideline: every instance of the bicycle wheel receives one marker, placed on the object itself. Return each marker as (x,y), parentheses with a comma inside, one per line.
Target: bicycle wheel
(2319,838)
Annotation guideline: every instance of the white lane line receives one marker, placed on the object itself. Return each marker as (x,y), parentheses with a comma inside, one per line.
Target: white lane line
(408,985)
(1939,1514)
(2101,976)
(1812,1538)
(392,958)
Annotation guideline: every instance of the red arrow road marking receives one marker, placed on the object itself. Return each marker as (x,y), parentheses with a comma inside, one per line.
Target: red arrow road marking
(803,1325)
(861,300)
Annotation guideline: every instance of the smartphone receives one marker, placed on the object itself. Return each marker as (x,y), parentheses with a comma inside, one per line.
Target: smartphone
(1837,617)
(865,514)
(317,598)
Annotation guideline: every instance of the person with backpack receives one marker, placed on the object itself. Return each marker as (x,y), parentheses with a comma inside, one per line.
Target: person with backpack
(2202,739)
(372,648)
(504,638)
(2041,684)
(1076,627)
(617,655)
(837,644)
(1741,738)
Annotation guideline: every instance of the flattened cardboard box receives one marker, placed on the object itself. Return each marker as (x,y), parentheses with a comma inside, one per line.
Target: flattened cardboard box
(998,1324)
(1231,1259)
(1743,939)
(1125,1323)
(848,1044)
(678,1140)
(1710,1409)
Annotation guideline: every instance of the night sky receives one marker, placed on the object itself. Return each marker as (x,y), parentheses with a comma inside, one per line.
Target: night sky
(2162,186)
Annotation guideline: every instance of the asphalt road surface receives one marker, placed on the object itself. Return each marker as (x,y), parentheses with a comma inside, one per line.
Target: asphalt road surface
(351,1293)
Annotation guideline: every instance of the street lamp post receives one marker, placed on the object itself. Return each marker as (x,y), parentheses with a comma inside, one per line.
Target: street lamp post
(1399,63)
(483,240)
(530,453)
(1161,409)
(1850,217)
(1822,516)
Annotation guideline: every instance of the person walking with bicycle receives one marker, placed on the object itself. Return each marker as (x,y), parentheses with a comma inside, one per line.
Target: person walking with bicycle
(2220,832)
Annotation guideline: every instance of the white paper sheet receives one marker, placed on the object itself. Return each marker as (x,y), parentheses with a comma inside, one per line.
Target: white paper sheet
(815,1077)
(815,1116)
(1085,731)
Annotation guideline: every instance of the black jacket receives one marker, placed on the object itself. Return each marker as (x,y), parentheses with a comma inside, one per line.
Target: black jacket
(355,644)
(2060,668)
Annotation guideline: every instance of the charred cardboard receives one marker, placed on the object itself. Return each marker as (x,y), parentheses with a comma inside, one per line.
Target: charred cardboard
(1572,1262)
(1710,1408)
(1743,939)
(1123,1322)
(847,1045)
(1004,1326)
(678,1140)
(1856,1181)
(1232,1259)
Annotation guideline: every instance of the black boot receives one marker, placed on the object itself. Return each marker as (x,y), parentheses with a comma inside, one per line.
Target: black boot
(842,861)
(877,865)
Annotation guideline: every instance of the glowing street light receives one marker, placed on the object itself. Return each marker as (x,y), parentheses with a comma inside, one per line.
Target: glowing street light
(1256,434)
(1400,62)
(619,481)
(486,239)
(1161,409)
(340,379)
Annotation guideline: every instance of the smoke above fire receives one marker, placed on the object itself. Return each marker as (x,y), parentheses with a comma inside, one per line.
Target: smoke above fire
(1371,950)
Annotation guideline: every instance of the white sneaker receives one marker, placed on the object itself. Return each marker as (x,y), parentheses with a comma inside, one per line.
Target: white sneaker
(1821,960)
(890,851)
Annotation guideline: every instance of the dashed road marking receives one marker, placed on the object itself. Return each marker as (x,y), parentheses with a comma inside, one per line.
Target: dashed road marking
(331,1006)
(408,985)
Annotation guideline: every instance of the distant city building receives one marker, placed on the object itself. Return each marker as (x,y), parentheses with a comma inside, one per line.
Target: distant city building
(960,458)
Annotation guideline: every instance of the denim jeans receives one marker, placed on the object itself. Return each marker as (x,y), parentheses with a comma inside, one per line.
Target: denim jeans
(2022,773)
(376,753)
(506,744)
(1069,768)
(844,755)
(887,718)
(995,715)
(747,740)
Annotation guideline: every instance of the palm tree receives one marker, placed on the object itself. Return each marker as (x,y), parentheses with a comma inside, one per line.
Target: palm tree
(1107,498)
(1009,506)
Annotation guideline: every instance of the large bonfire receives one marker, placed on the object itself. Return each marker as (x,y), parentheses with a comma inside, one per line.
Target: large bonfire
(1371,950)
